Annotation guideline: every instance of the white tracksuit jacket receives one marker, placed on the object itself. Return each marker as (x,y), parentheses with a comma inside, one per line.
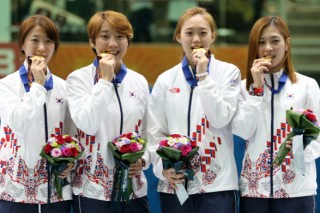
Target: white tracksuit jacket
(253,122)
(96,112)
(213,105)
(23,173)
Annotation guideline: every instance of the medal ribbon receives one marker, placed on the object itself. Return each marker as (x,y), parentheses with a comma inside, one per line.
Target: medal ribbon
(282,81)
(190,77)
(27,79)
(119,77)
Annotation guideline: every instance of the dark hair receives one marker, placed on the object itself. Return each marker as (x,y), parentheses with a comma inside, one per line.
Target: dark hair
(38,20)
(253,48)
(192,12)
(116,20)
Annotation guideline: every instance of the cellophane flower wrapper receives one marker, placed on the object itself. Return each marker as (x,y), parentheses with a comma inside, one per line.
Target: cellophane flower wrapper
(176,151)
(126,148)
(303,122)
(59,151)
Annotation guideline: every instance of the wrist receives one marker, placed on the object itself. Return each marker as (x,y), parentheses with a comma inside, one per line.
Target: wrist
(202,74)
(143,162)
(107,78)
(258,91)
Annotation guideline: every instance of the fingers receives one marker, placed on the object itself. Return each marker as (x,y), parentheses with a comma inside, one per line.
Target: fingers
(70,165)
(39,69)
(133,172)
(62,175)
(107,64)
(201,60)
(259,67)
(135,168)
(199,56)
(39,65)
(66,172)
(106,57)
(289,144)
(174,177)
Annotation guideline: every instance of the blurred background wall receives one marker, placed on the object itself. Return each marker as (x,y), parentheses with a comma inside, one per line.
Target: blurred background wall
(154,22)
(152,50)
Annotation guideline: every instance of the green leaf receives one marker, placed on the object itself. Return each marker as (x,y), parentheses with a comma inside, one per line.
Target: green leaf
(171,153)
(47,157)
(64,159)
(114,150)
(132,157)
(283,151)
(163,155)
(58,185)
(192,152)
(299,121)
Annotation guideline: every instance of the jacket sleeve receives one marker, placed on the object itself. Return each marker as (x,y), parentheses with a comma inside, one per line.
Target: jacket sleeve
(219,99)
(70,127)
(157,125)
(244,122)
(20,113)
(312,151)
(146,156)
(86,103)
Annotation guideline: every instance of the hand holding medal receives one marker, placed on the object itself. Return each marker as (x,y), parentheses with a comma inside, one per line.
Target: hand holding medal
(37,69)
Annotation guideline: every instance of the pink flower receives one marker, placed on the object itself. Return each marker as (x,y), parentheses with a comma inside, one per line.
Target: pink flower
(134,147)
(66,152)
(140,146)
(56,152)
(185,149)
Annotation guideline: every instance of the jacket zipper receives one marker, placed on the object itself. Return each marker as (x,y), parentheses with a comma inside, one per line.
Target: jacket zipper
(189,110)
(120,106)
(189,124)
(272,125)
(47,138)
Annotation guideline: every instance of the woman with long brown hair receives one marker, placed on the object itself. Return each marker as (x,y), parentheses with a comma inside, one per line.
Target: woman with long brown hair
(197,98)
(272,86)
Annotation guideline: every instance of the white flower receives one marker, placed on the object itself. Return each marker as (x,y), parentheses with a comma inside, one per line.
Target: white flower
(184,140)
(172,141)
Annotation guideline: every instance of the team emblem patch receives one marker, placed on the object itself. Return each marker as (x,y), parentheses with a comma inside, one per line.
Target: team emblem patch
(232,82)
(174,90)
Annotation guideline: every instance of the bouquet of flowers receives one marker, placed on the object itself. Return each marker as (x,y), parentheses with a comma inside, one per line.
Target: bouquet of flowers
(176,151)
(59,151)
(303,122)
(126,148)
